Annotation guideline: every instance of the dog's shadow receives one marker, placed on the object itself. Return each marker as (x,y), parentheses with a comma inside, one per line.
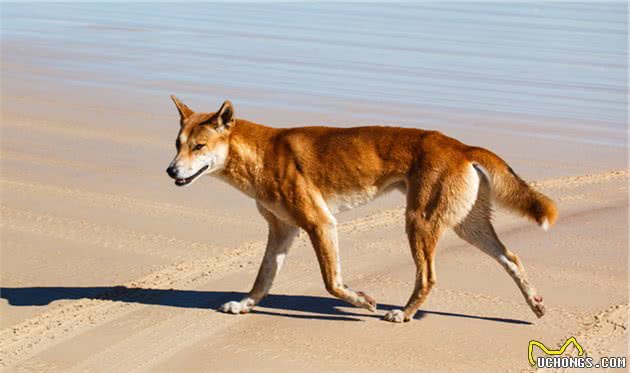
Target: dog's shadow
(308,307)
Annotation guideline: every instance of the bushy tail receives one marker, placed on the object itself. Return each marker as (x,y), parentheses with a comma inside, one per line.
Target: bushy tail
(513,192)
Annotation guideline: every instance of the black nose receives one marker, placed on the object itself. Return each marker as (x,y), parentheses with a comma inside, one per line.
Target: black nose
(171,172)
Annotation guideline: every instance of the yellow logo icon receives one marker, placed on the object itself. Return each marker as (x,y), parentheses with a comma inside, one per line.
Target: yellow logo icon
(559,351)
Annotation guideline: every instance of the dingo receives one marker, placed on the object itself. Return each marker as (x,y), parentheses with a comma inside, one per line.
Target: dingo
(302,177)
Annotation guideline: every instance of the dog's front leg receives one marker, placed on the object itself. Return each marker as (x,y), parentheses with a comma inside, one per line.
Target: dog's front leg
(324,240)
(281,235)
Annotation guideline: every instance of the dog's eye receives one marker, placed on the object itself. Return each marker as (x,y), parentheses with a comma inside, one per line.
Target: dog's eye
(199,146)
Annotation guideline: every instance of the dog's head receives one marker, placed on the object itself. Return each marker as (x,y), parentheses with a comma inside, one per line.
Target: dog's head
(202,142)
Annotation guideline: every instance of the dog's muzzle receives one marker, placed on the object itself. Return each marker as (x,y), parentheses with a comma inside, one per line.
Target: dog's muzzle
(188,180)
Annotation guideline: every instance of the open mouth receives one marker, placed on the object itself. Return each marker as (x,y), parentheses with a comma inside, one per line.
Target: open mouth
(188,180)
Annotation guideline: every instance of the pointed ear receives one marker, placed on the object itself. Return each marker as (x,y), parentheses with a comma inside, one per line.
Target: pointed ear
(184,111)
(225,115)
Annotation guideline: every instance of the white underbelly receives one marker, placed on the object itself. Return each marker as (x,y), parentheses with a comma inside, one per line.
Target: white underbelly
(344,202)
(347,201)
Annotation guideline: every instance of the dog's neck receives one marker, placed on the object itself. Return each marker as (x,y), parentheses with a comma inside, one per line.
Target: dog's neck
(245,161)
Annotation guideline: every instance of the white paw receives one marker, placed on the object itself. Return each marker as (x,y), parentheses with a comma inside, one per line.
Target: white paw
(236,308)
(395,316)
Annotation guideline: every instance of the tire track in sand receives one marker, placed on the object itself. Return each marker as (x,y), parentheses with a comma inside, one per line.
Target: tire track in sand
(62,322)
(577,181)
(107,236)
(65,163)
(87,133)
(120,202)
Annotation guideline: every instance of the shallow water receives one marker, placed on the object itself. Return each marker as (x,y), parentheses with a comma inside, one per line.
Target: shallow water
(561,61)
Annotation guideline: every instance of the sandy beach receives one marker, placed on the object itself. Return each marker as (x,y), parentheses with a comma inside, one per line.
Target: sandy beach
(106,266)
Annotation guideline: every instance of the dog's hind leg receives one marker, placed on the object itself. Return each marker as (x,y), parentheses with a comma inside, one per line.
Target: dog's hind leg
(281,235)
(423,236)
(425,205)
(435,200)
(477,230)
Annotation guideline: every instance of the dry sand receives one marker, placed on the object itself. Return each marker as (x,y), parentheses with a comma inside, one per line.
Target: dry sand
(107,277)
(106,266)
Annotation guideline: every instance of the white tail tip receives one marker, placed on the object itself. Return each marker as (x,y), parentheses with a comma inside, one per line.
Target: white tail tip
(545,224)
